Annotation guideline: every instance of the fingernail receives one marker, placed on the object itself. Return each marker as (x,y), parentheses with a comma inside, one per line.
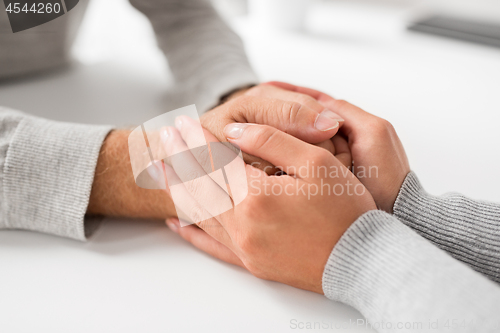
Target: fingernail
(327,120)
(164,134)
(235,131)
(178,123)
(173,225)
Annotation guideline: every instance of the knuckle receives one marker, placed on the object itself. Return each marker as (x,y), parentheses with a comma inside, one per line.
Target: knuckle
(255,91)
(321,156)
(328,146)
(342,104)
(255,204)
(245,207)
(243,100)
(238,104)
(255,269)
(388,125)
(250,207)
(266,136)
(306,100)
(248,244)
(290,112)
(381,128)
(244,106)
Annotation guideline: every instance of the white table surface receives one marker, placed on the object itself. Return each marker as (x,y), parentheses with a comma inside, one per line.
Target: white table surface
(441,95)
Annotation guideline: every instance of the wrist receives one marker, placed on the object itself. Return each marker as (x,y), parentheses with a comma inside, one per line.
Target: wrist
(114,192)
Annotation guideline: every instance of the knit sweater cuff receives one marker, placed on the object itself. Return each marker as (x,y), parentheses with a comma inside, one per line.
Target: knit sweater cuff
(396,278)
(354,267)
(467,229)
(48,175)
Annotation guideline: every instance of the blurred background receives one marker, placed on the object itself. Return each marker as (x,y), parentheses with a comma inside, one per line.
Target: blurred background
(373,20)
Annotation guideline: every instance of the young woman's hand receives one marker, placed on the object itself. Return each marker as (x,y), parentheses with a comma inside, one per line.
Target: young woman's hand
(286,226)
(379,158)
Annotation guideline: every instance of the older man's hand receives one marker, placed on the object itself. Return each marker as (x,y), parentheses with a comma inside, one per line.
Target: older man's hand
(300,115)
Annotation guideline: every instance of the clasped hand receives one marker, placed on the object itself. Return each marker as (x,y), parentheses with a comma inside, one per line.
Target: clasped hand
(287,225)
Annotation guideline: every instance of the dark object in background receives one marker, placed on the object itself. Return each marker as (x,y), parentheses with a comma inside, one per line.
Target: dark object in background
(476,32)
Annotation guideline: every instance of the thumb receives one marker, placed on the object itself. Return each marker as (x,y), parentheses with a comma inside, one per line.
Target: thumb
(296,119)
(356,119)
(277,147)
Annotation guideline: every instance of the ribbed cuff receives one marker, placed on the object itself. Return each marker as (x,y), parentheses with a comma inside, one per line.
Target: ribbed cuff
(357,265)
(467,229)
(48,175)
(401,282)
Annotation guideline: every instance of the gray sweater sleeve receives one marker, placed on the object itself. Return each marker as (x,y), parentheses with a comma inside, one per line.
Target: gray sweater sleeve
(401,282)
(467,229)
(47,167)
(46,173)
(206,56)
